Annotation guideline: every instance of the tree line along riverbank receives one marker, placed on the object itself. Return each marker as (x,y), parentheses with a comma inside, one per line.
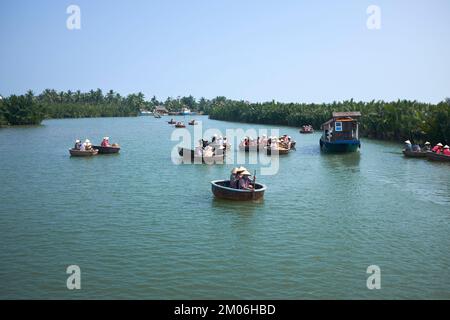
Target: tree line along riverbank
(396,120)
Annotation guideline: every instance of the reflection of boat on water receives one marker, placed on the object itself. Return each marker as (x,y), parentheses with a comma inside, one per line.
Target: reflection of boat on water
(437,157)
(221,189)
(414,154)
(341,133)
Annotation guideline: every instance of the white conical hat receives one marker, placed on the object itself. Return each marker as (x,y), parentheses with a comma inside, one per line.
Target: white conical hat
(446,147)
(439,144)
(87,141)
(427,143)
(408,142)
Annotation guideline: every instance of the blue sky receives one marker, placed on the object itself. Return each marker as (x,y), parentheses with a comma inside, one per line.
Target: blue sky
(300,51)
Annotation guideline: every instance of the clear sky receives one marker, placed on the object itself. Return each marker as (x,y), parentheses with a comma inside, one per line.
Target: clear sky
(300,51)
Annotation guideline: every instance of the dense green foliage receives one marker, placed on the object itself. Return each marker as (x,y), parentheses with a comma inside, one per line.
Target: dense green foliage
(20,110)
(397,120)
(382,120)
(31,109)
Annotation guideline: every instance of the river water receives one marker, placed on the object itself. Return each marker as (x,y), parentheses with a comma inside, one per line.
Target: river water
(140,226)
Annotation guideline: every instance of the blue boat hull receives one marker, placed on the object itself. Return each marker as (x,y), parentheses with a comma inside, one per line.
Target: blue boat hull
(340,146)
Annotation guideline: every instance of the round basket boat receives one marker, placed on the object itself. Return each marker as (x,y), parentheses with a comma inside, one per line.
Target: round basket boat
(221,189)
(80,153)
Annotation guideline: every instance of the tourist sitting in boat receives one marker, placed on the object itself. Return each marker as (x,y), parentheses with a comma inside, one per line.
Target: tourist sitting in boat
(408,145)
(225,142)
(437,148)
(274,142)
(198,152)
(77,145)
(234,178)
(208,152)
(85,145)
(245,183)
(263,140)
(446,150)
(416,148)
(105,142)
(427,147)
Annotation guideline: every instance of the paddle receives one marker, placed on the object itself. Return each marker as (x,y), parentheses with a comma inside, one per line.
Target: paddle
(254,185)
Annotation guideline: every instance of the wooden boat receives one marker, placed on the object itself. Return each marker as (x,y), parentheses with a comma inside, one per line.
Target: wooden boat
(192,123)
(190,154)
(279,150)
(171,122)
(221,189)
(414,154)
(180,125)
(341,133)
(437,157)
(107,150)
(86,153)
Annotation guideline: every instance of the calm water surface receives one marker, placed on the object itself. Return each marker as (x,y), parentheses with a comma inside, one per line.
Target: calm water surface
(140,226)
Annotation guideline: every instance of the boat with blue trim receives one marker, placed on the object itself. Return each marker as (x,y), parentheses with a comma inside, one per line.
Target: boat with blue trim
(341,133)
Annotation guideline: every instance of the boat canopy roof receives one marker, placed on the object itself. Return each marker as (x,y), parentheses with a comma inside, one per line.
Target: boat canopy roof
(342,116)
(346,114)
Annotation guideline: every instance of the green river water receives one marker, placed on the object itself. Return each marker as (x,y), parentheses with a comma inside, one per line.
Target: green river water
(140,226)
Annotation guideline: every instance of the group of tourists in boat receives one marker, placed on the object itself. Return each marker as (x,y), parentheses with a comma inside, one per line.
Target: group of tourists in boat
(180,124)
(281,144)
(208,150)
(240,179)
(241,186)
(438,153)
(87,149)
(307,129)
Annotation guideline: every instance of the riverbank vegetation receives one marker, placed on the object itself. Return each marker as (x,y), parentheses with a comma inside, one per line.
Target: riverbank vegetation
(50,104)
(395,120)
